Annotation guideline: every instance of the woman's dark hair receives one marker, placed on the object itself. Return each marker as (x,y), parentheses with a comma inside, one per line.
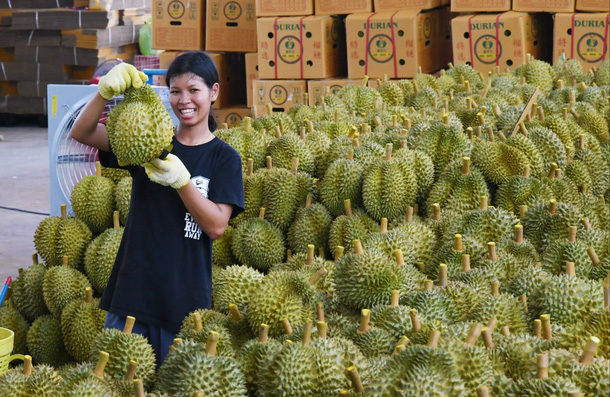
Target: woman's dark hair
(200,64)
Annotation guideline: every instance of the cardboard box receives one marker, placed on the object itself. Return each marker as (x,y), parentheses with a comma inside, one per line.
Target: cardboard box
(342,7)
(593,5)
(582,36)
(544,5)
(232,116)
(178,25)
(280,94)
(230,26)
(395,43)
(316,88)
(393,5)
(476,39)
(251,74)
(480,6)
(300,47)
(278,8)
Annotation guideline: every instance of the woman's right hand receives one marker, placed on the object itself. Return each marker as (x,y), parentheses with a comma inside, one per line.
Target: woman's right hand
(120,78)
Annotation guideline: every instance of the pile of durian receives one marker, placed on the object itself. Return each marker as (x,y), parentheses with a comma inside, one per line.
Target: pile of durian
(437,236)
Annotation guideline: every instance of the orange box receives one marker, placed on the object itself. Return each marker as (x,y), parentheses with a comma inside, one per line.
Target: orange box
(278,8)
(476,39)
(582,36)
(177,25)
(232,116)
(316,88)
(251,74)
(593,5)
(396,43)
(281,94)
(300,47)
(480,6)
(342,7)
(392,5)
(544,5)
(230,26)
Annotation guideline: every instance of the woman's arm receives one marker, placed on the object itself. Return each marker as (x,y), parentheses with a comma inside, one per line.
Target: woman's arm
(212,218)
(87,129)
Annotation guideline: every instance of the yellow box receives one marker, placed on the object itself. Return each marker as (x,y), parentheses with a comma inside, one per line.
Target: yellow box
(300,47)
(593,5)
(232,116)
(251,74)
(480,6)
(342,7)
(281,94)
(230,26)
(582,36)
(177,25)
(277,8)
(393,5)
(544,5)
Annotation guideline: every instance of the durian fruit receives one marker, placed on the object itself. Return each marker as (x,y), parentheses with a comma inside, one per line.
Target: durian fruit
(254,183)
(27,291)
(360,98)
(543,385)
(422,166)
(507,309)
(433,305)
(125,387)
(342,181)
(11,318)
(123,346)
(93,200)
(57,237)
(519,248)
(420,235)
(45,342)
(115,174)
(516,191)
(317,142)
(222,255)
(122,197)
(485,224)
(366,278)
(258,243)
(87,382)
(101,254)
(191,367)
(591,121)
(235,284)
(249,143)
(344,229)
(238,326)
(589,168)
(452,254)
(544,222)
(253,356)
(27,380)
(596,322)
(271,121)
(286,147)
(200,333)
(591,375)
(81,322)
(62,285)
(537,73)
(459,189)
(283,295)
(571,250)
(393,318)
(311,226)
(139,127)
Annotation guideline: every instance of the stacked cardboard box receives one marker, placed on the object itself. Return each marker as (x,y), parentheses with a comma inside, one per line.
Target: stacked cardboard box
(44,44)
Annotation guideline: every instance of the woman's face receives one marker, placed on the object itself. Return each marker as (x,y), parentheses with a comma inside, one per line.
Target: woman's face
(191,99)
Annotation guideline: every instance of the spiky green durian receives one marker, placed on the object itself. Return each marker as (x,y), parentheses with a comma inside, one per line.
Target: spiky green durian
(139,127)
(590,168)
(258,243)
(81,322)
(372,341)
(517,190)
(101,254)
(249,143)
(591,121)
(27,291)
(433,305)
(342,181)
(92,201)
(283,192)
(222,256)
(235,284)
(346,228)
(360,98)
(116,174)
(537,73)
(122,197)
(485,224)
(11,318)
(85,381)
(253,357)
(393,318)
(27,380)
(311,226)
(544,223)
(391,93)
(62,285)
(507,309)
(287,147)
(45,342)
(200,333)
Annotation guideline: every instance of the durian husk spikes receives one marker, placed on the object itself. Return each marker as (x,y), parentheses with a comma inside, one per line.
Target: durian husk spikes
(236,316)
(317,276)
(322,329)
(355,378)
(399,257)
(570,269)
(487,338)
(542,363)
(365,319)
(465,165)
(465,262)
(416,324)
(64,211)
(263,333)
(547,331)
(434,338)
(457,243)
(483,203)
(473,334)
(538,328)
(522,211)
(482,391)
(138,385)
(495,288)
(310,254)
(212,343)
(339,249)
(491,251)
(588,352)
(523,299)
(131,371)
(518,233)
(395,298)
(320,311)
(442,275)
(27,365)
(593,256)
(88,295)
(307,330)
(100,365)
(358,247)
(491,324)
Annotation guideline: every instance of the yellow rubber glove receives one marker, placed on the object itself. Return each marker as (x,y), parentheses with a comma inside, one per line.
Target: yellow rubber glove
(168,172)
(120,78)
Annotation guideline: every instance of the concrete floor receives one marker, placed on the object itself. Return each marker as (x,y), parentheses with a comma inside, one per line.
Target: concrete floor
(24,193)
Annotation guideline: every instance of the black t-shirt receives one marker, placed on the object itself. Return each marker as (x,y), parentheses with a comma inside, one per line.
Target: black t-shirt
(163,269)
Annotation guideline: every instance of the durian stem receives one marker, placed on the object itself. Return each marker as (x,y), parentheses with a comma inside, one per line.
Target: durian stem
(288,254)
(384,225)
(27,365)
(436,212)
(34,258)
(302,135)
(457,243)
(473,334)
(344,393)
(434,338)
(358,247)
(197,323)
(338,252)
(395,298)
(350,154)
(261,213)
(574,394)
(491,251)
(490,133)
(98,168)
(487,338)
(491,324)
(523,298)
(589,350)
(466,165)
(481,118)
(263,333)
(446,119)
(310,126)
(465,262)
(65,261)
(442,275)
(365,319)
(409,216)
(523,130)
(522,211)
(518,233)
(538,328)
(355,378)
(574,113)
(307,329)
(212,343)
(400,259)
(483,204)
(295,165)
(308,200)
(269,162)
(553,206)
(505,330)
(129,323)
(482,391)
(403,341)
(254,112)
(347,204)
(542,362)
(310,254)
(320,311)
(416,325)
(388,152)
(116,220)
(407,123)
(131,371)
(64,212)
(365,81)
(88,295)
(593,256)
(236,316)
(337,115)
(495,288)
(322,329)
(139,388)
(469,133)
(352,132)
(428,285)
(547,331)
(278,132)
(572,230)
(317,276)
(100,365)
(570,269)
(269,109)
